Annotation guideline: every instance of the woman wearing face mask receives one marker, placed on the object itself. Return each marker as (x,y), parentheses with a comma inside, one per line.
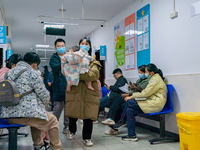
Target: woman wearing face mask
(155,94)
(82,102)
(140,84)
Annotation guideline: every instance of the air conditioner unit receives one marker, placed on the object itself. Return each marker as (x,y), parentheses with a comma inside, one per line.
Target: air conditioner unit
(7,31)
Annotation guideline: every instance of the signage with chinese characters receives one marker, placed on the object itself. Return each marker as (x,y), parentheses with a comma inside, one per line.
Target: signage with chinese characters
(103,52)
(8,54)
(2,34)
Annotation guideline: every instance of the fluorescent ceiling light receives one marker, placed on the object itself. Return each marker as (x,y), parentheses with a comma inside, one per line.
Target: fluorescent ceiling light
(60,26)
(40,45)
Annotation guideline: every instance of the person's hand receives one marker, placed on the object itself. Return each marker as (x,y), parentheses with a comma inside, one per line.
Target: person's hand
(131,86)
(124,95)
(49,83)
(108,87)
(127,98)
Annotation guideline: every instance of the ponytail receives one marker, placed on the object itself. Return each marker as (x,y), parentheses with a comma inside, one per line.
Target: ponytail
(151,67)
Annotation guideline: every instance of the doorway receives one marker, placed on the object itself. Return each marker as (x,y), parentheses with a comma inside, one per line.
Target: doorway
(102,71)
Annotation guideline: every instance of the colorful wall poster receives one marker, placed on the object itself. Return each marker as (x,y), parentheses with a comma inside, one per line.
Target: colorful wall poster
(130,42)
(143,36)
(119,42)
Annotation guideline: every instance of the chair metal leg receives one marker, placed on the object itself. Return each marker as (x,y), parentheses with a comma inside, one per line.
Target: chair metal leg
(176,139)
(162,132)
(3,135)
(12,138)
(6,134)
(25,134)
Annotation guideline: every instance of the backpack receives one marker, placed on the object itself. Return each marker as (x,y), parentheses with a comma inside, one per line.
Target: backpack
(9,95)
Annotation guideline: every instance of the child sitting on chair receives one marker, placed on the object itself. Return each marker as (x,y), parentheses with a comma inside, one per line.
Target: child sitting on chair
(73,63)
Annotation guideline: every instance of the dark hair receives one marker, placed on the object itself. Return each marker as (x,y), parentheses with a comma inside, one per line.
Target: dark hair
(13,59)
(151,67)
(75,48)
(59,40)
(45,67)
(142,68)
(89,42)
(32,57)
(118,70)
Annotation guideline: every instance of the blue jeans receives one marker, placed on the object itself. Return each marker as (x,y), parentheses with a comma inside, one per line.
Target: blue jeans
(131,110)
(104,102)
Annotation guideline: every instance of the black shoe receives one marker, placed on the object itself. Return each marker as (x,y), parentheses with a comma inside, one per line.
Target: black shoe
(118,125)
(40,148)
(130,138)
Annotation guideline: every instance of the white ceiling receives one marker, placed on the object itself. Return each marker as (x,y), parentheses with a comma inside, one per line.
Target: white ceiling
(26,31)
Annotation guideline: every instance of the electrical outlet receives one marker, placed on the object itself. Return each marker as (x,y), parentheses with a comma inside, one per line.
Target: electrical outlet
(174,14)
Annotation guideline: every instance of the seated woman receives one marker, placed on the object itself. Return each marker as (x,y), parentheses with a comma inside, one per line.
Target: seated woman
(156,96)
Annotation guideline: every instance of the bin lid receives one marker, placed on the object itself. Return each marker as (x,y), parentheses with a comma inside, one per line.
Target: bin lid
(189,115)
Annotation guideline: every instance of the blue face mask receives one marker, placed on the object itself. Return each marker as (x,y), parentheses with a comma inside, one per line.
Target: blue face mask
(146,75)
(141,76)
(85,47)
(61,50)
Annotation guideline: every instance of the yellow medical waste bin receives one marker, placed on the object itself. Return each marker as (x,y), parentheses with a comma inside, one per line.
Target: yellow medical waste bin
(189,130)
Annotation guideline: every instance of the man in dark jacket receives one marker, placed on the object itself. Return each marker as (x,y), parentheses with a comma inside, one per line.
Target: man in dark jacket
(114,100)
(59,85)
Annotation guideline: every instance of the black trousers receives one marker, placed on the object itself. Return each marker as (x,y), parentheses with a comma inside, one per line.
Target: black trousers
(115,110)
(87,127)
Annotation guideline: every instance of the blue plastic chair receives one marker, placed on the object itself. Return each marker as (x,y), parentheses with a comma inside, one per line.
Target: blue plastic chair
(105,91)
(160,116)
(12,132)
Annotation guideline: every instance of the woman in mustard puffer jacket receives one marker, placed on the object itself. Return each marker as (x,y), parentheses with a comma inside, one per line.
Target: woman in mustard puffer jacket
(82,102)
(154,98)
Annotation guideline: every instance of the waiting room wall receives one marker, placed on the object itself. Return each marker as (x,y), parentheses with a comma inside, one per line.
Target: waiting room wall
(174,49)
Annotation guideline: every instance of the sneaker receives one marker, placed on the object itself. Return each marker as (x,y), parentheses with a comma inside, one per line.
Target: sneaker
(130,138)
(40,148)
(46,145)
(112,132)
(108,122)
(81,121)
(96,122)
(118,125)
(88,142)
(70,135)
(65,130)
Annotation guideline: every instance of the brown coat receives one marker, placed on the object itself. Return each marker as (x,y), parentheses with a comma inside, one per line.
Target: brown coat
(81,102)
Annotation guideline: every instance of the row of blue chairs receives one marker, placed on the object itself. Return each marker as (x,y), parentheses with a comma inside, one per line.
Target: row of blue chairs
(159,116)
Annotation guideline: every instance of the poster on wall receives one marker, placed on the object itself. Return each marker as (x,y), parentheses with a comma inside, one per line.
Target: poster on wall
(125,43)
(130,42)
(119,44)
(143,36)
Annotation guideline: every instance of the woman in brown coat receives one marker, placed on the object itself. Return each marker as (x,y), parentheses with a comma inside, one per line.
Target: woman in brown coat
(83,103)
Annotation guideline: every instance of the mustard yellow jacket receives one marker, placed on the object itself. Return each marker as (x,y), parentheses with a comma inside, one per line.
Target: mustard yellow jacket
(156,94)
(81,102)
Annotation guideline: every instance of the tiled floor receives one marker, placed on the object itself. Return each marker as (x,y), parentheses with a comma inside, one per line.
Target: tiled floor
(100,140)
